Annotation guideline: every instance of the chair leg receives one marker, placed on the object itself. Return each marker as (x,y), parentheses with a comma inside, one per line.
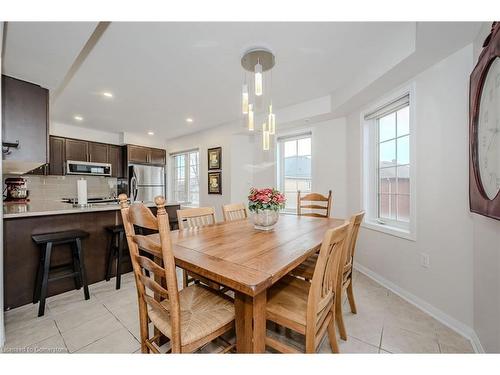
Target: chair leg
(119,261)
(332,336)
(340,319)
(82,268)
(184,279)
(45,278)
(76,266)
(39,277)
(350,297)
(111,253)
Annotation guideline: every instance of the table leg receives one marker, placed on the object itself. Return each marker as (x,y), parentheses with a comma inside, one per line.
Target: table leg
(250,322)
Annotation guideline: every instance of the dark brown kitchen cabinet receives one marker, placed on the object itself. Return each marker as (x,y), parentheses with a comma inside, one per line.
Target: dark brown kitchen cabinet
(157,156)
(77,150)
(145,155)
(98,152)
(115,158)
(56,156)
(137,154)
(24,122)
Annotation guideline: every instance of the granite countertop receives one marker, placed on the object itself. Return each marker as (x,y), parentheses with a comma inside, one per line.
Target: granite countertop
(45,208)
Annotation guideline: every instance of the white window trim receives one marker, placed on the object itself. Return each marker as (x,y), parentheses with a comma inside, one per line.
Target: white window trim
(186,204)
(369,160)
(280,178)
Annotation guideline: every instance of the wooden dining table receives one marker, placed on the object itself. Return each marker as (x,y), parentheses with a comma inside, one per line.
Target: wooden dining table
(249,261)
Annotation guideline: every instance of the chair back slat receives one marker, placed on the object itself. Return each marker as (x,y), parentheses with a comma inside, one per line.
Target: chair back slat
(326,273)
(196,217)
(163,285)
(235,211)
(310,203)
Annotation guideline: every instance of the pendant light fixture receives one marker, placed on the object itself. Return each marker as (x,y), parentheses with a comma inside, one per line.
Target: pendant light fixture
(265,137)
(271,121)
(244,99)
(250,118)
(258,78)
(258,61)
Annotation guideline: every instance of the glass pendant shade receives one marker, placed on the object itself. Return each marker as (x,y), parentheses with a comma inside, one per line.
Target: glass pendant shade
(244,99)
(258,79)
(265,137)
(250,118)
(271,121)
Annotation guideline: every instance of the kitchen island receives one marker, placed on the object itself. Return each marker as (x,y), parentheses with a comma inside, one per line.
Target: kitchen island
(21,255)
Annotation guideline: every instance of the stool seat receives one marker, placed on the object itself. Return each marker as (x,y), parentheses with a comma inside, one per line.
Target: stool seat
(59,237)
(115,228)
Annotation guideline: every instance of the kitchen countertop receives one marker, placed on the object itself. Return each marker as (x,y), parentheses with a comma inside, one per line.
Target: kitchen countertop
(45,208)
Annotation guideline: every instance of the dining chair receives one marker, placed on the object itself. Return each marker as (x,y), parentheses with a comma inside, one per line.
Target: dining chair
(190,218)
(306,270)
(234,211)
(309,307)
(189,318)
(316,202)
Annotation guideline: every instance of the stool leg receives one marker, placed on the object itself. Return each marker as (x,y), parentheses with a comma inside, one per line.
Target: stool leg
(45,278)
(82,268)
(76,266)
(119,261)
(111,253)
(39,277)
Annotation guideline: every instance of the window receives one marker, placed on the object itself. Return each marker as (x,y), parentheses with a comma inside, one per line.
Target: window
(388,172)
(186,177)
(294,167)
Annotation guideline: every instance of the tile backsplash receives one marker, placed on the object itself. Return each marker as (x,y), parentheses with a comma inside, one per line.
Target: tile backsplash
(50,188)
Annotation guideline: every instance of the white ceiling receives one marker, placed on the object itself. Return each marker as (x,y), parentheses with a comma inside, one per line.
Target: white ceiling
(162,73)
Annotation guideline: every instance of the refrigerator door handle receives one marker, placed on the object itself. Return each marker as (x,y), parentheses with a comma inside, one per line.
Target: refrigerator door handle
(133,183)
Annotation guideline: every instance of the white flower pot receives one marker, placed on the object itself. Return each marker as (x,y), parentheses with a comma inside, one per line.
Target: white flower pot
(265,219)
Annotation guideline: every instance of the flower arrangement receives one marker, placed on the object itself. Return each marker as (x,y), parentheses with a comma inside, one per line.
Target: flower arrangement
(265,199)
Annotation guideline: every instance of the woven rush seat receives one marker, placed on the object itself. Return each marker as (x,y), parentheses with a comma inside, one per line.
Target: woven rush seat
(202,312)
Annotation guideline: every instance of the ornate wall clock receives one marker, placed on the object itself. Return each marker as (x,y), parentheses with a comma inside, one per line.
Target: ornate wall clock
(484,129)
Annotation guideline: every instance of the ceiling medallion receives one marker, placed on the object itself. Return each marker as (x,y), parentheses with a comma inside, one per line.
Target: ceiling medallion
(258,61)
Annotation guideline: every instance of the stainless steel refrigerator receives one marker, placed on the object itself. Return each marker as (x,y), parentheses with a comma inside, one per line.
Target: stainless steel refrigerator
(146,182)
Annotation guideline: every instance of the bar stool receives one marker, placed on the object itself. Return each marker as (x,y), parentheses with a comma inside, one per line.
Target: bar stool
(115,250)
(47,241)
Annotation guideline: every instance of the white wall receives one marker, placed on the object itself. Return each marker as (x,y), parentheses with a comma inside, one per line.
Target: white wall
(444,224)
(486,233)
(2,328)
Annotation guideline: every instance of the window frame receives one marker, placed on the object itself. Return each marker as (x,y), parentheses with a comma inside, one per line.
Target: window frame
(187,178)
(280,176)
(370,168)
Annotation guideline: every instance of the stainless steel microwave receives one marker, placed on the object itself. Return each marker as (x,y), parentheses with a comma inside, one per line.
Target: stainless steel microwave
(88,168)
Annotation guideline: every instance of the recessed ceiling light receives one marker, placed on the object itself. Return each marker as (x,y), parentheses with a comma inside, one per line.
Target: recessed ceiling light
(107,94)
(78,118)
(151,133)
(189,119)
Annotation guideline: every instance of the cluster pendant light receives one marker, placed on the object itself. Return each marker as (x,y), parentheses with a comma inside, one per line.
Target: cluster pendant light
(258,61)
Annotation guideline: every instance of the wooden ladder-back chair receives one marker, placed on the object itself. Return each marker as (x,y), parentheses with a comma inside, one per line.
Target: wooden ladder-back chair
(309,307)
(192,218)
(316,202)
(190,318)
(235,211)
(306,271)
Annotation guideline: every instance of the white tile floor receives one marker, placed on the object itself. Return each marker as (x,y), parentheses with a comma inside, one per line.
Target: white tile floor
(108,323)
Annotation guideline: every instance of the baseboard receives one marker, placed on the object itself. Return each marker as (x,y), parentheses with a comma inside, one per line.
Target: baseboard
(437,314)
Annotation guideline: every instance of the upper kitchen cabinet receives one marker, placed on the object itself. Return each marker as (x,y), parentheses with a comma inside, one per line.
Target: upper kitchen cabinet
(115,158)
(98,152)
(25,125)
(77,150)
(145,155)
(157,156)
(56,156)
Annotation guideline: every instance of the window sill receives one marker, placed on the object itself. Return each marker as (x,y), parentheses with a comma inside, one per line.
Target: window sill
(189,205)
(391,230)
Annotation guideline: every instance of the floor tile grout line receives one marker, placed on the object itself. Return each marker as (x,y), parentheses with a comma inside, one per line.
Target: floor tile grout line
(122,324)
